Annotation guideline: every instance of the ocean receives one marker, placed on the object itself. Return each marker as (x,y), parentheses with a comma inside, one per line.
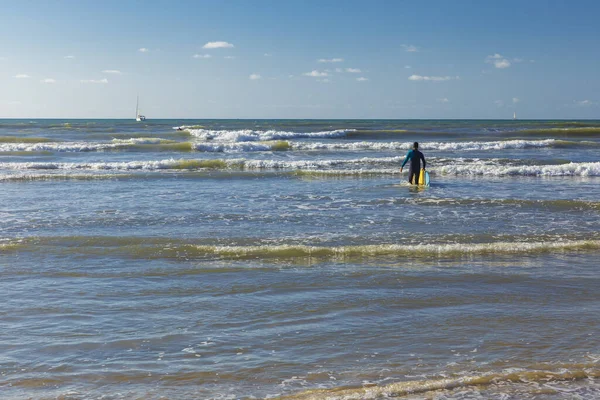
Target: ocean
(245,259)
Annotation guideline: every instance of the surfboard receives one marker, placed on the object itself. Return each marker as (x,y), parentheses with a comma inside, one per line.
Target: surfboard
(423,178)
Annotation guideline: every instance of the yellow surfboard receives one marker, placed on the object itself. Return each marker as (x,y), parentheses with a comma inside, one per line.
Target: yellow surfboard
(422,179)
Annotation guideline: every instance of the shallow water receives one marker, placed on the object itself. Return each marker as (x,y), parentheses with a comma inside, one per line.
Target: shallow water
(259,259)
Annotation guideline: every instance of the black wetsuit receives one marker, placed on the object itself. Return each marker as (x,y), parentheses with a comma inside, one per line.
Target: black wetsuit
(415,157)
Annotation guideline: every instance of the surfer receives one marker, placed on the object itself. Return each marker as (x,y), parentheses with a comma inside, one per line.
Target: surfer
(415,157)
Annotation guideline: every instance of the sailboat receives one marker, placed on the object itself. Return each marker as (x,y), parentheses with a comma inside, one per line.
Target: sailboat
(138,117)
(515,115)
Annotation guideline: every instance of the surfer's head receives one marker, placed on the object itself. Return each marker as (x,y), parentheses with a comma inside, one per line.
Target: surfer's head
(415,145)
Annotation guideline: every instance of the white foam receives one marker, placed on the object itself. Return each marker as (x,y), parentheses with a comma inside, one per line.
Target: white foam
(30,176)
(220,147)
(441,249)
(186,127)
(142,140)
(172,163)
(232,147)
(254,141)
(480,168)
(488,167)
(445,146)
(248,135)
(250,146)
(312,165)
(131,165)
(59,147)
(79,146)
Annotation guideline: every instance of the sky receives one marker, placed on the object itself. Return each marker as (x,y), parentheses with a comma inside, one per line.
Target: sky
(300,59)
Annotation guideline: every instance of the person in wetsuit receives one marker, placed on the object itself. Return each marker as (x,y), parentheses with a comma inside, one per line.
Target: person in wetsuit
(415,157)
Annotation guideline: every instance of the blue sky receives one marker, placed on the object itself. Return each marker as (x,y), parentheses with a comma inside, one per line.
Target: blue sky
(300,59)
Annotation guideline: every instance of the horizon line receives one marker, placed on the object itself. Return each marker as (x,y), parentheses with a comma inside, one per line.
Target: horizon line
(309,119)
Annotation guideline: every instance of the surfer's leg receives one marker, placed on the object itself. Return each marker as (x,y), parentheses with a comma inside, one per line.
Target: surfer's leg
(414,178)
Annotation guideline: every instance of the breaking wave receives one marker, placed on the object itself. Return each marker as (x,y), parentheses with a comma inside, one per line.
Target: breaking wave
(570,169)
(273,143)
(116,144)
(532,378)
(445,146)
(370,165)
(240,163)
(247,135)
(141,144)
(164,248)
(396,250)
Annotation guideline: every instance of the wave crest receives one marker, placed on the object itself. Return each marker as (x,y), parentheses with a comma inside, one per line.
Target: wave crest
(248,135)
(157,248)
(400,389)
(570,169)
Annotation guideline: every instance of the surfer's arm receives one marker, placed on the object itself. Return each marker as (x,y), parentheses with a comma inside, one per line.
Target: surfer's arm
(406,160)
(423,159)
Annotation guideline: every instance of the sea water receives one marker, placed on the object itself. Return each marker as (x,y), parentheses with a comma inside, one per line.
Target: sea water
(233,259)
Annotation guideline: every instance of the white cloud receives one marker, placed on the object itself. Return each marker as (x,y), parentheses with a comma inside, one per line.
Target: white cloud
(22,76)
(94,80)
(229,57)
(69,57)
(498,60)
(584,103)
(339,70)
(362,79)
(323,80)
(432,78)
(407,67)
(410,48)
(202,56)
(143,50)
(316,74)
(112,71)
(443,100)
(330,60)
(515,100)
(353,70)
(48,80)
(217,45)
(268,54)
(502,64)
(499,103)
(255,77)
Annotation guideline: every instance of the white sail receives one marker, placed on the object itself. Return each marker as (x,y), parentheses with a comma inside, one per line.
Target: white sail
(515,115)
(138,117)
